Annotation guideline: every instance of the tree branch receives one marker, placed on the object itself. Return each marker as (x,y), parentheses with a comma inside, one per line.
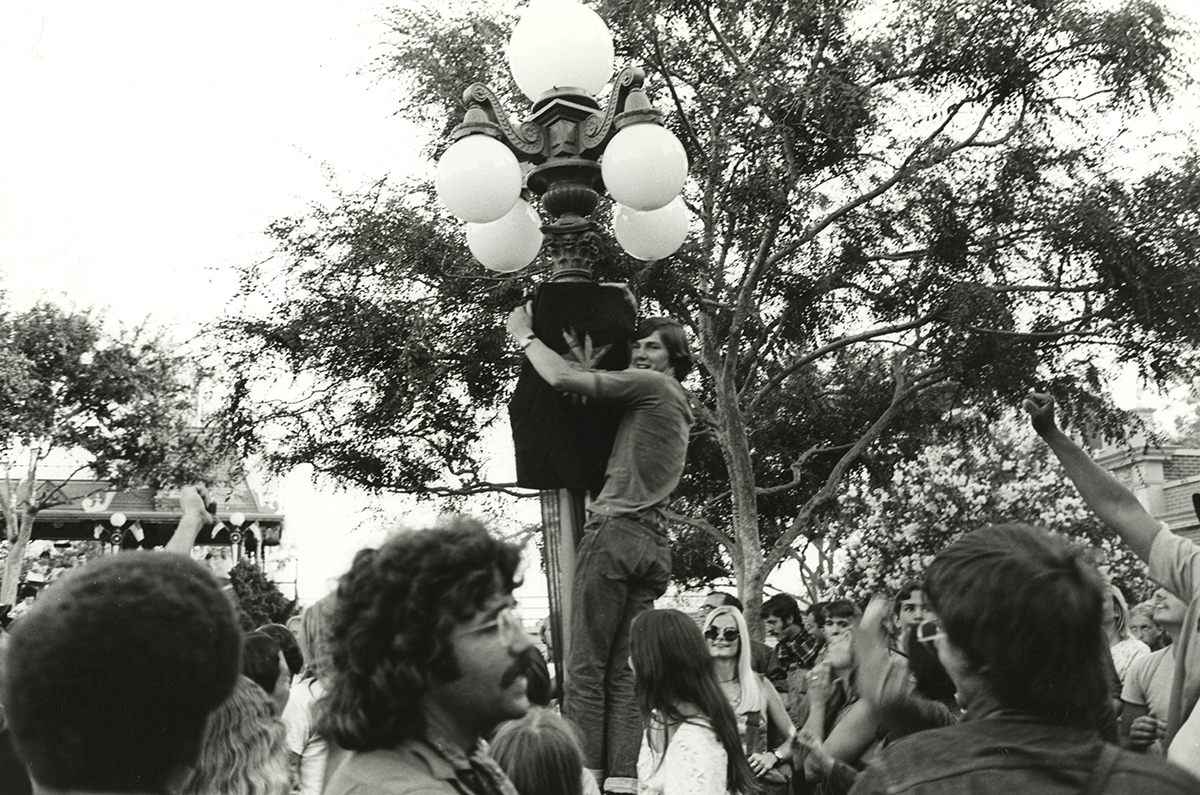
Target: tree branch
(683,118)
(903,390)
(797,468)
(44,502)
(906,168)
(701,524)
(751,86)
(745,295)
(776,380)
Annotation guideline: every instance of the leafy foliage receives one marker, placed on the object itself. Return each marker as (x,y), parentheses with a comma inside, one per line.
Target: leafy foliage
(116,406)
(899,209)
(259,600)
(889,533)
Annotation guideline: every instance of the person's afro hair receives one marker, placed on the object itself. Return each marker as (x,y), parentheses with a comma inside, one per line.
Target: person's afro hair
(113,672)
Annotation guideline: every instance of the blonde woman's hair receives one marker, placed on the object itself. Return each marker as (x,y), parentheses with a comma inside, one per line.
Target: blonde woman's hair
(1120,612)
(314,637)
(244,751)
(752,699)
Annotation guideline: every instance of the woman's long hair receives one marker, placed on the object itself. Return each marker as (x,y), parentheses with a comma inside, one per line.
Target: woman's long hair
(673,667)
(752,698)
(243,751)
(540,754)
(314,637)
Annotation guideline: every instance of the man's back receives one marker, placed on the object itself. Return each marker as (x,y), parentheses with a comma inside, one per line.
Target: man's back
(1009,753)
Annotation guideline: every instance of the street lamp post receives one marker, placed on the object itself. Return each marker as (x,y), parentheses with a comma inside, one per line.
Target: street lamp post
(561,57)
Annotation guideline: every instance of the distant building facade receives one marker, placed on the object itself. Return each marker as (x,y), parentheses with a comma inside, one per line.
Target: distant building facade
(1166,480)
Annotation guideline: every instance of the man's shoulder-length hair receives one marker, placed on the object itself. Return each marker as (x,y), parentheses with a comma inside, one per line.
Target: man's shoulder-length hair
(390,632)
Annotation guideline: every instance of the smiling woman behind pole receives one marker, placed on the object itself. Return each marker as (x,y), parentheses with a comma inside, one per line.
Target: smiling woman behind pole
(763,723)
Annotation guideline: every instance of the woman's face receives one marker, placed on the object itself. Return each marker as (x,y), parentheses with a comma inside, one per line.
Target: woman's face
(1142,628)
(724,641)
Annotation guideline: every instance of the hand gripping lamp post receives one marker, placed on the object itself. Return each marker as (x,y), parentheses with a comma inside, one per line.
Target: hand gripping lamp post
(561,57)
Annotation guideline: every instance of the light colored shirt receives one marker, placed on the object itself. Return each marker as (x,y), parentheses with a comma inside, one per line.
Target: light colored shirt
(1175,564)
(1124,652)
(693,763)
(1185,748)
(302,737)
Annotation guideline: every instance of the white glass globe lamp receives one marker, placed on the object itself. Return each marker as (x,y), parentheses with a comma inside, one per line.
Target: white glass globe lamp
(560,44)
(644,166)
(117,520)
(652,234)
(507,244)
(478,179)
(237,519)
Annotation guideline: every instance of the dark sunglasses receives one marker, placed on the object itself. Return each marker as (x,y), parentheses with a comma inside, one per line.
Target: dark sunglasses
(729,634)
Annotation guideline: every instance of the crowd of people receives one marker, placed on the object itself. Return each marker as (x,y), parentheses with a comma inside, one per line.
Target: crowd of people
(1011,665)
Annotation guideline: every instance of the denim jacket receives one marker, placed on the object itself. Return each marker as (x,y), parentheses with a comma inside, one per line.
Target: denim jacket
(1014,753)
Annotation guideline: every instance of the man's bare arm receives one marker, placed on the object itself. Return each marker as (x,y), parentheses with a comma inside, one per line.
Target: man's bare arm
(1116,506)
(194,502)
(553,369)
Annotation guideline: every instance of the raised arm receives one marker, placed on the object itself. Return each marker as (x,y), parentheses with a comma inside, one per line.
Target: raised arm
(554,370)
(1116,506)
(195,504)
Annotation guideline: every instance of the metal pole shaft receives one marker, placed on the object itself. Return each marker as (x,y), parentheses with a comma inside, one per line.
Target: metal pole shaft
(562,526)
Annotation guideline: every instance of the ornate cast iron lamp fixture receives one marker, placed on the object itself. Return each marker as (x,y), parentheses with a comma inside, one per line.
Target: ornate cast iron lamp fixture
(561,56)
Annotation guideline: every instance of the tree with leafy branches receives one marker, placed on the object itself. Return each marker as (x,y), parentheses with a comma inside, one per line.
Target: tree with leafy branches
(888,534)
(259,600)
(116,407)
(899,209)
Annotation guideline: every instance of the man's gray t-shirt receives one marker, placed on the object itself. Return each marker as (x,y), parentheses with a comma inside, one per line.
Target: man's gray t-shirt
(648,454)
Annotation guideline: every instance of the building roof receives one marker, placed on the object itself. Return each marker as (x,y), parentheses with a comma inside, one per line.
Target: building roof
(87,509)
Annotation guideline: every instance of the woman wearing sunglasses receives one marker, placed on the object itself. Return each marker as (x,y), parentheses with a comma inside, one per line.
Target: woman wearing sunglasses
(763,723)
(690,745)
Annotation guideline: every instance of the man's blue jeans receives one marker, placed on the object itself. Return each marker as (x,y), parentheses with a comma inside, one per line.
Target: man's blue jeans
(622,567)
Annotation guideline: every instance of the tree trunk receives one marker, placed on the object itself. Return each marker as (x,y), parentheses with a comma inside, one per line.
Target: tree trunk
(748,563)
(16,556)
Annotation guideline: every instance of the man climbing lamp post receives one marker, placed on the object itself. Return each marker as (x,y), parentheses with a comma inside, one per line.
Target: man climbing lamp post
(561,57)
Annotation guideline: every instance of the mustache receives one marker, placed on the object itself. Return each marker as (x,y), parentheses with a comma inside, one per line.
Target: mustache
(524,662)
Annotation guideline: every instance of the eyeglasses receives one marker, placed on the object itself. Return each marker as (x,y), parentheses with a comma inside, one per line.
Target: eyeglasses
(929,630)
(507,624)
(729,634)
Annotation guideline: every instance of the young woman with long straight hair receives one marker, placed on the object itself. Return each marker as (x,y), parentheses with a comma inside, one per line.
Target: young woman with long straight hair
(763,723)
(691,744)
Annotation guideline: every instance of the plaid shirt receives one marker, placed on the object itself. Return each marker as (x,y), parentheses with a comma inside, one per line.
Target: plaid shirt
(797,649)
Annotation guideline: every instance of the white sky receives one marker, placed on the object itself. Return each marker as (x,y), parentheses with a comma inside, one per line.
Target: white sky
(146,145)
